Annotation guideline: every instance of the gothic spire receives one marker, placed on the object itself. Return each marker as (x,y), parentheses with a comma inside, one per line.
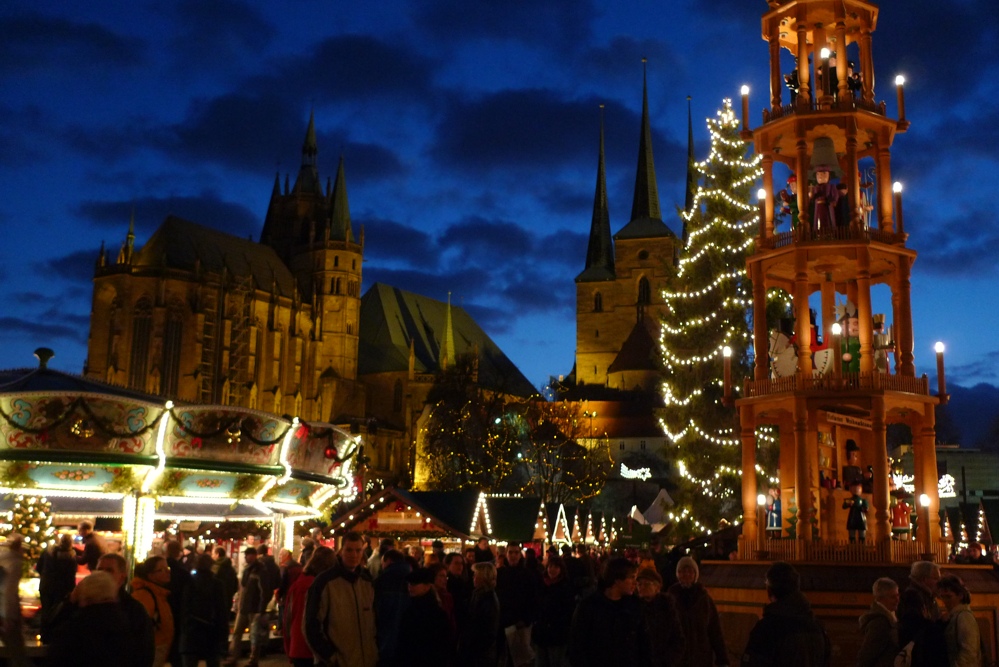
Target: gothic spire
(308,174)
(340,217)
(447,352)
(125,254)
(600,251)
(646,201)
(310,147)
(688,199)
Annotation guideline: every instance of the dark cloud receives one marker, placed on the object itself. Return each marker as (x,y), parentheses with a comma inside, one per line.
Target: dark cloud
(363,162)
(41,330)
(467,283)
(206,209)
(213,35)
(620,61)
(390,240)
(555,24)
(955,247)
(17,129)
(359,67)
(31,41)
(77,266)
(537,129)
(488,243)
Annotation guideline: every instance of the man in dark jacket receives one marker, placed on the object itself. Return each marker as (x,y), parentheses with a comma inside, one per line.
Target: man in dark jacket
(517,590)
(251,592)
(425,635)
(339,611)
(93,546)
(607,627)
(919,616)
(788,633)
(878,627)
(139,647)
(391,599)
(226,575)
(180,579)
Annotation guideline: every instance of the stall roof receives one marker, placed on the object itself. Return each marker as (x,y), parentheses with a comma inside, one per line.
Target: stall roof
(991,508)
(514,519)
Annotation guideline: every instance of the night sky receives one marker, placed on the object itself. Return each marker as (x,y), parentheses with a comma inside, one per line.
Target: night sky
(469,131)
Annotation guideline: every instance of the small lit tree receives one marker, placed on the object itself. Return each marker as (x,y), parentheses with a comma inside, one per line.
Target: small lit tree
(32,519)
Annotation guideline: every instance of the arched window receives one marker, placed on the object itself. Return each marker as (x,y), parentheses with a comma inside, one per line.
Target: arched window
(598,303)
(644,292)
(172,332)
(138,364)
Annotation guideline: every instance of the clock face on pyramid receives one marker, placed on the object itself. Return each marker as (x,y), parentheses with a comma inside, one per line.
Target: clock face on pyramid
(822,361)
(783,356)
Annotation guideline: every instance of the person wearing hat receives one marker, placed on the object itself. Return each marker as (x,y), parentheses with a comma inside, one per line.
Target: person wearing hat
(789,201)
(251,595)
(824,194)
(788,633)
(662,623)
(425,634)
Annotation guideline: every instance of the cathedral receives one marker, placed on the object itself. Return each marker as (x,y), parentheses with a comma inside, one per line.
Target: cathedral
(201,316)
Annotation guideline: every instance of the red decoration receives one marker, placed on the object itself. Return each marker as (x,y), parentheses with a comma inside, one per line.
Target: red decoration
(302,431)
(196,442)
(330,452)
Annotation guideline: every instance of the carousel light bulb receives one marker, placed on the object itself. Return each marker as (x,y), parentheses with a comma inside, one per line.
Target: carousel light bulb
(824,53)
(761,194)
(836,328)
(761,500)
(924,500)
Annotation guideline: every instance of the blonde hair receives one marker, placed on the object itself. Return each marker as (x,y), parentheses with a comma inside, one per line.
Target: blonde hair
(488,572)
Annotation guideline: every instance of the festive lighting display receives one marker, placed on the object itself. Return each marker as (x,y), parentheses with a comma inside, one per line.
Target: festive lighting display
(708,308)
(32,519)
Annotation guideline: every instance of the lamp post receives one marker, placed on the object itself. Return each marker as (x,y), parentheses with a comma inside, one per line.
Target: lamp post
(896,189)
(924,503)
(745,108)
(899,87)
(836,329)
(941,381)
(761,196)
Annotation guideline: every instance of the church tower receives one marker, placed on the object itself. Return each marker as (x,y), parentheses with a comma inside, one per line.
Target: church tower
(311,231)
(618,293)
(839,378)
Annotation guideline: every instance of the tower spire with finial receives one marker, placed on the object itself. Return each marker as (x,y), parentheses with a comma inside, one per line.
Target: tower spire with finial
(600,250)
(646,201)
(447,354)
(340,216)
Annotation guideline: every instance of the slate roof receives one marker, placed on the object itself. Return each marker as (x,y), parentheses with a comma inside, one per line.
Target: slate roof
(48,380)
(392,317)
(179,243)
(644,228)
(638,353)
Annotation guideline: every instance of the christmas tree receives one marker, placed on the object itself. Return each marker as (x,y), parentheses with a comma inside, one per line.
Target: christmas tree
(707,311)
(32,519)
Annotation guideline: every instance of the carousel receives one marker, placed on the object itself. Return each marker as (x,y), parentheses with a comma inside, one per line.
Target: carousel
(133,464)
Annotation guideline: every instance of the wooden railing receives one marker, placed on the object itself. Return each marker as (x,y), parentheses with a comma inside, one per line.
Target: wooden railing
(851,104)
(804,235)
(845,382)
(837,551)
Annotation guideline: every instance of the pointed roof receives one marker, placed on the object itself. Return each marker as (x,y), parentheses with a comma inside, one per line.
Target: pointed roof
(638,353)
(447,353)
(340,229)
(688,198)
(600,251)
(392,319)
(180,244)
(308,174)
(646,218)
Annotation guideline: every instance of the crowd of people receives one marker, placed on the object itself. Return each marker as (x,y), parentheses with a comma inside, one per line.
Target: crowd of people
(480,607)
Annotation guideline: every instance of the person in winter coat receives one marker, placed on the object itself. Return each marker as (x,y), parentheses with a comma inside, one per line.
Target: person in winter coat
(477,646)
(459,586)
(251,594)
(919,616)
(11,568)
(607,627)
(224,571)
(426,633)
(878,627)
(391,598)
(703,644)
(556,604)
(964,642)
(517,589)
(92,627)
(57,576)
(295,646)
(205,626)
(661,620)
(180,577)
(149,587)
(339,611)
(788,633)
(444,597)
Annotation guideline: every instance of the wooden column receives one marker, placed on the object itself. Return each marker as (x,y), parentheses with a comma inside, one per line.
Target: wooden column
(842,87)
(882,523)
(804,215)
(864,319)
(866,66)
(768,185)
(903,324)
(802,475)
(883,169)
(828,308)
(804,91)
(750,527)
(802,324)
(776,80)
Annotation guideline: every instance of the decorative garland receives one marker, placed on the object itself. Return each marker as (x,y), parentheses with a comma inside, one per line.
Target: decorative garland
(80,403)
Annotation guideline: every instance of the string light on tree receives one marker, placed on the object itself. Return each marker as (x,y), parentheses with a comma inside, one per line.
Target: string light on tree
(707,309)
(32,519)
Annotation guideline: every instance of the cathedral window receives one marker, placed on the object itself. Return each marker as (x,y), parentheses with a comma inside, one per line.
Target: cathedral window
(336,261)
(598,303)
(620,445)
(643,254)
(172,332)
(596,334)
(644,292)
(641,445)
(138,367)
